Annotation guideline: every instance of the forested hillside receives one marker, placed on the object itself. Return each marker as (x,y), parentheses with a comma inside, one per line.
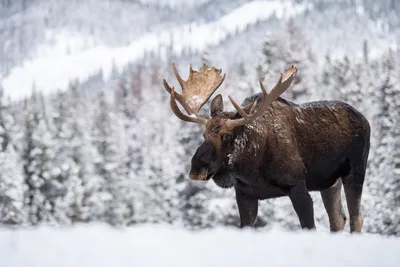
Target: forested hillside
(108,148)
(76,156)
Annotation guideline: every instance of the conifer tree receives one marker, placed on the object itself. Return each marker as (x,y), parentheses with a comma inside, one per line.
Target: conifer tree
(37,156)
(112,184)
(280,50)
(12,187)
(385,157)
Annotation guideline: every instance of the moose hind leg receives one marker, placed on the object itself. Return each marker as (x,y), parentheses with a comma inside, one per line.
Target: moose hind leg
(353,190)
(353,187)
(331,198)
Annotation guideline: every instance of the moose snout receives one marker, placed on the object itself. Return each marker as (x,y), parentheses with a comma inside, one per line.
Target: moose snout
(202,161)
(199,175)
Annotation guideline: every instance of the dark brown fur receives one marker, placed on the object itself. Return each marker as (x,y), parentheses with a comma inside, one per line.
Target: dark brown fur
(288,151)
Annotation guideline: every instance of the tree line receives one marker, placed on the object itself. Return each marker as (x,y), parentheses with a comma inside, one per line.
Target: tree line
(118,155)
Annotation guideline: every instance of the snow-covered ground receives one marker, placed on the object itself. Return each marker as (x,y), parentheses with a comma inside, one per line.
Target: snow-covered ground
(100,245)
(54,70)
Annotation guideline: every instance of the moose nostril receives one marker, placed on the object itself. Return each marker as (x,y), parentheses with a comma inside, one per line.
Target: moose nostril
(198,174)
(192,176)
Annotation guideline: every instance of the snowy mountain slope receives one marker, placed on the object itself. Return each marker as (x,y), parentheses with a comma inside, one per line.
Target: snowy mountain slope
(108,22)
(48,74)
(25,25)
(100,245)
(85,44)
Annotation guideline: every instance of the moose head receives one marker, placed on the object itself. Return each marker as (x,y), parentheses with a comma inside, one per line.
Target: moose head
(220,127)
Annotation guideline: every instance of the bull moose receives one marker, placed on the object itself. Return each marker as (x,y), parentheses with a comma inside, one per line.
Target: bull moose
(271,147)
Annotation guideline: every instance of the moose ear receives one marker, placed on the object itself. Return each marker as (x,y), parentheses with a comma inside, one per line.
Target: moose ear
(217,105)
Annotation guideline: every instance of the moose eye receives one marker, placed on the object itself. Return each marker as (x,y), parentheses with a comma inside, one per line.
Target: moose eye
(226,137)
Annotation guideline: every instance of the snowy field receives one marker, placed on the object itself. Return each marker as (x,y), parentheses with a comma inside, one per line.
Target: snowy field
(99,245)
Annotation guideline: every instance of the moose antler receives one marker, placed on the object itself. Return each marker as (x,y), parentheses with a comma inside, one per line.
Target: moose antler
(283,84)
(196,90)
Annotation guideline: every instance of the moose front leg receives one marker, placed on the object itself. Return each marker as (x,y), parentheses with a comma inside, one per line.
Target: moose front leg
(248,208)
(302,204)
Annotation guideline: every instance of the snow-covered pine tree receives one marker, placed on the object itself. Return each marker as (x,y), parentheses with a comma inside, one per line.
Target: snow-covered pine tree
(326,81)
(133,101)
(341,75)
(138,124)
(283,49)
(37,156)
(156,182)
(130,101)
(269,67)
(111,204)
(12,186)
(82,152)
(385,159)
(66,167)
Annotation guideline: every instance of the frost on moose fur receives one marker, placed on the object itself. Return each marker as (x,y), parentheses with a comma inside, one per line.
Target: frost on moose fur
(243,141)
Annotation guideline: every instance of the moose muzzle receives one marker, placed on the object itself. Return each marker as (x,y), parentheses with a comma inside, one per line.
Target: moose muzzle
(202,161)
(198,175)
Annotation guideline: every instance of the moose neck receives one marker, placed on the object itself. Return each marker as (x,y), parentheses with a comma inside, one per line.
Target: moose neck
(248,144)
(247,149)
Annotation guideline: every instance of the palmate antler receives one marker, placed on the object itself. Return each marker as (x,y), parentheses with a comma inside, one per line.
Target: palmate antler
(201,85)
(196,90)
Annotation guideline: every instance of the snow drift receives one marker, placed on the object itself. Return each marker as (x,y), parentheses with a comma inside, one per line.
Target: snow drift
(100,245)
